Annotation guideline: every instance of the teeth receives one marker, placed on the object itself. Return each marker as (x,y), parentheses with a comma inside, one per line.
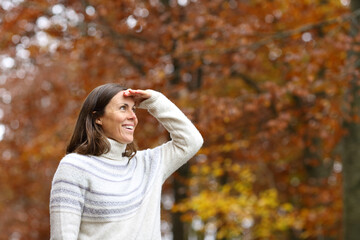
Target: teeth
(129,127)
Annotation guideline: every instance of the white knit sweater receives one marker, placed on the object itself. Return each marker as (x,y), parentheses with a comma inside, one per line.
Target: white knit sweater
(107,198)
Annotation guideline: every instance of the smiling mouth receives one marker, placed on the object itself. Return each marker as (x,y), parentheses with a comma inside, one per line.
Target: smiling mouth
(128,127)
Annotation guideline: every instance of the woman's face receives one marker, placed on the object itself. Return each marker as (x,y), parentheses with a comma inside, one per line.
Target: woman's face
(119,120)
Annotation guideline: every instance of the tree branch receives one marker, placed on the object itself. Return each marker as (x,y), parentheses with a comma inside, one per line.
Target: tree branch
(279,35)
(118,38)
(305,28)
(250,82)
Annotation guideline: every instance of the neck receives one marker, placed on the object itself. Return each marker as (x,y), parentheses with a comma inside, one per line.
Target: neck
(116,150)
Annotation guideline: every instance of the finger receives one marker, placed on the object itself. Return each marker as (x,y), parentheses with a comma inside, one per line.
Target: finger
(142,93)
(139,92)
(135,93)
(129,92)
(138,95)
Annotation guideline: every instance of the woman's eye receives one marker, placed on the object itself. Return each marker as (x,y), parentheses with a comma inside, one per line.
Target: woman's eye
(123,108)
(134,109)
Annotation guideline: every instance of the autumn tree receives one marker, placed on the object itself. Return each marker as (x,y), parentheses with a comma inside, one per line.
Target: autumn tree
(279,112)
(264,81)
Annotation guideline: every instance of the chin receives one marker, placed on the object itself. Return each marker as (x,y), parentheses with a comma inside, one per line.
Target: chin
(128,141)
(125,140)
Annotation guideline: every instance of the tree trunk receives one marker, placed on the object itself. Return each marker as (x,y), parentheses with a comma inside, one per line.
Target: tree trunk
(180,229)
(351,148)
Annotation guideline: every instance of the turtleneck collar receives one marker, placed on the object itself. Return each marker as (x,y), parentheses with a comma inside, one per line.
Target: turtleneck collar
(116,150)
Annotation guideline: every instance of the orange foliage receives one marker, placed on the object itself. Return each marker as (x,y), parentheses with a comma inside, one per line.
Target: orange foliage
(263,83)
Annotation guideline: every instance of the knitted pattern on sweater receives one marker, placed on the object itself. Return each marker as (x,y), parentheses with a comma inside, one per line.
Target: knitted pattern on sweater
(114,191)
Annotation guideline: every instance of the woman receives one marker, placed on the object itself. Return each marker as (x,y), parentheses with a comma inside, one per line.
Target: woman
(104,189)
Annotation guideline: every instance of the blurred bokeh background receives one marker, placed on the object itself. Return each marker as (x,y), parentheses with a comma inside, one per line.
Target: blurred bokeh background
(272,85)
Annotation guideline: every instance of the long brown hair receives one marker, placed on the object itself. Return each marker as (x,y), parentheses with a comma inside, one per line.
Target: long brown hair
(88,137)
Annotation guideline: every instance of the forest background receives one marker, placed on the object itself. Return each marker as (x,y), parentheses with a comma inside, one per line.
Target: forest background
(272,85)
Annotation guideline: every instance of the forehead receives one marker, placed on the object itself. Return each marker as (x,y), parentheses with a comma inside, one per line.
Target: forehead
(120,99)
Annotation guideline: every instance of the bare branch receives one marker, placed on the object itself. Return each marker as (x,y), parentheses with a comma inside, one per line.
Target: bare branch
(248,80)
(279,35)
(305,28)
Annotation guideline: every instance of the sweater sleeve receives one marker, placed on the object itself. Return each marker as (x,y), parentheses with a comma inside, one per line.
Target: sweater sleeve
(64,226)
(66,201)
(185,141)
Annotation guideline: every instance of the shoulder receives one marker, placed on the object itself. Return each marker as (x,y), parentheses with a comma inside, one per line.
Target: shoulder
(73,160)
(149,154)
(72,164)
(72,172)
(73,157)
(149,157)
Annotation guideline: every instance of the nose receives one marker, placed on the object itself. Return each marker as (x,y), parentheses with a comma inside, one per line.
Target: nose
(131,114)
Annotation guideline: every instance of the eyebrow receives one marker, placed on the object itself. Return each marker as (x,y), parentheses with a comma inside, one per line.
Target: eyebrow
(127,104)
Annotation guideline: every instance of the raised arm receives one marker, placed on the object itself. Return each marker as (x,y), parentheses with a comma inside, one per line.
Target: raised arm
(186,140)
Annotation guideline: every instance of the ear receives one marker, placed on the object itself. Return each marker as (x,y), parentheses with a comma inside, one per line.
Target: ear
(98,121)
